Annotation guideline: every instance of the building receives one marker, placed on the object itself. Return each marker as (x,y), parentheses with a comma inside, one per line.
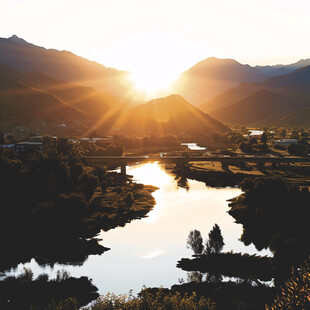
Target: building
(27,146)
(6,146)
(284,143)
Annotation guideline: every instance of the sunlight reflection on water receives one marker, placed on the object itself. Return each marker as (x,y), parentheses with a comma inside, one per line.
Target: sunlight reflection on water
(146,251)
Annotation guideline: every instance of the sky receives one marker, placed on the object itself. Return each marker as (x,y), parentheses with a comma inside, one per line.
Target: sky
(164,35)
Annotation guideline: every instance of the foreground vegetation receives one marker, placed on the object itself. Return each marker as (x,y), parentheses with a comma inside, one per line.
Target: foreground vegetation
(62,205)
(146,300)
(54,207)
(25,292)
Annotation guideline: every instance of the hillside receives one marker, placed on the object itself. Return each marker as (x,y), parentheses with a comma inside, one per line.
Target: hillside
(212,76)
(64,102)
(33,97)
(300,118)
(230,96)
(62,65)
(22,104)
(263,107)
(278,97)
(172,114)
(298,77)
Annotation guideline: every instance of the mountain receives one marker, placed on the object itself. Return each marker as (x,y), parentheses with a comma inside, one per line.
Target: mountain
(212,76)
(300,118)
(30,98)
(294,84)
(42,98)
(298,77)
(230,96)
(172,114)
(274,101)
(22,104)
(261,108)
(283,69)
(63,65)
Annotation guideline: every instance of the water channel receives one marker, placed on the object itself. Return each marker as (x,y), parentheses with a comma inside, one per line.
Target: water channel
(145,252)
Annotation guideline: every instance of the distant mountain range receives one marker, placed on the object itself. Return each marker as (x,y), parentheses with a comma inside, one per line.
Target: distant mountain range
(276,101)
(30,98)
(71,87)
(33,97)
(63,65)
(212,76)
(283,69)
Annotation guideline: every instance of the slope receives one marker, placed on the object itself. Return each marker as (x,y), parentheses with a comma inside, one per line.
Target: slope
(212,76)
(283,69)
(22,104)
(263,107)
(168,115)
(22,89)
(62,65)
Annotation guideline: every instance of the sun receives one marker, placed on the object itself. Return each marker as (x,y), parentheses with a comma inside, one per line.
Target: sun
(155,60)
(152,81)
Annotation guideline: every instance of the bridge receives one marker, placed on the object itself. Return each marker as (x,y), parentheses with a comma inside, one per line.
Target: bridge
(122,161)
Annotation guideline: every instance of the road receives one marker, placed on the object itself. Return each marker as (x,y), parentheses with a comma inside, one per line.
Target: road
(223,159)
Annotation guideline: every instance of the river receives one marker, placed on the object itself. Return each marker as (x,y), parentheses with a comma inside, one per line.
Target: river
(145,252)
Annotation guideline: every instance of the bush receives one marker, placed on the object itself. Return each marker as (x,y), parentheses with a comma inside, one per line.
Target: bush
(153,300)
(295,293)
(297,149)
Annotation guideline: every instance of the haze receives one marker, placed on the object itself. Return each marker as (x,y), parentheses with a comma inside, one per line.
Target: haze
(163,35)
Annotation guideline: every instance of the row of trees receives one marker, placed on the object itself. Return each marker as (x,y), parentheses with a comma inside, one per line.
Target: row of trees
(26,292)
(213,245)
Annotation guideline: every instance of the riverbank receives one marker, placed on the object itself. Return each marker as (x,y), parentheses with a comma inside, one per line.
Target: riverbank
(213,173)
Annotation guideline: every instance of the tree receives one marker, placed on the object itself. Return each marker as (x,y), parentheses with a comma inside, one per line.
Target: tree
(215,243)
(2,140)
(253,140)
(194,276)
(246,147)
(297,149)
(89,183)
(295,292)
(129,200)
(246,184)
(283,133)
(263,138)
(294,134)
(194,241)
(49,143)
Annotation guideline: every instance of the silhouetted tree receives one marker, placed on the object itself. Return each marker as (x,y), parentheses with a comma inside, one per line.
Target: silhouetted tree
(246,184)
(89,183)
(298,149)
(263,138)
(129,199)
(194,241)
(253,140)
(295,293)
(283,133)
(194,276)
(2,140)
(245,147)
(215,243)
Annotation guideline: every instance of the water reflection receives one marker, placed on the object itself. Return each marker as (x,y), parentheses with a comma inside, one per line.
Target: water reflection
(146,251)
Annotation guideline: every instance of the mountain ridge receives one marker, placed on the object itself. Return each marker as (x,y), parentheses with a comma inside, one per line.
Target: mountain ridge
(63,65)
(292,88)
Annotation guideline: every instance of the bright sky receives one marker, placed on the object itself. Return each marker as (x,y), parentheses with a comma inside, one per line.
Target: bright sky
(164,35)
